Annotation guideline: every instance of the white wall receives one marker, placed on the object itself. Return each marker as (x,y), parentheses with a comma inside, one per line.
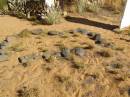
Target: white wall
(125,22)
(49,3)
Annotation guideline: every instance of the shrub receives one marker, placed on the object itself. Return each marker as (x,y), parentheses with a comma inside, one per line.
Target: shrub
(80,6)
(93,7)
(25,92)
(84,5)
(115,5)
(54,16)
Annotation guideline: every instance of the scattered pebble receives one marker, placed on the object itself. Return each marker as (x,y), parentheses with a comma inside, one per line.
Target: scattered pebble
(3,45)
(53,33)
(29,58)
(65,52)
(114,68)
(81,31)
(46,55)
(98,39)
(79,51)
(37,31)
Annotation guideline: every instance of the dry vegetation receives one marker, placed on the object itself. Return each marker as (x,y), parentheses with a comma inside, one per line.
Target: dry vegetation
(80,6)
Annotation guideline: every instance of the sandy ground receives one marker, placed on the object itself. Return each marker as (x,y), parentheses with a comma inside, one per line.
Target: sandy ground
(57,78)
(9,25)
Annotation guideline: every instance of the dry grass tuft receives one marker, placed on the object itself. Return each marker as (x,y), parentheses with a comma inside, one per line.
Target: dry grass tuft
(95,5)
(24,33)
(25,92)
(54,17)
(105,53)
(114,4)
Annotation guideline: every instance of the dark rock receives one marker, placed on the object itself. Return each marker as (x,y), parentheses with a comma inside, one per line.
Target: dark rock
(65,52)
(81,31)
(24,59)
(71,31)
(57,54)
(79,51)
(53,33)
(3,45)
(37,31)
(46,55)
(29,58)
(91,35)
(129,91)
(114,68)
(117,65)
(98,39)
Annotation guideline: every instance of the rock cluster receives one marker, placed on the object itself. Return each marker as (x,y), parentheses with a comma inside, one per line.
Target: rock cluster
(37,31)
(64,52)
(8,41)
(79,51)
(92,35)
(29,58)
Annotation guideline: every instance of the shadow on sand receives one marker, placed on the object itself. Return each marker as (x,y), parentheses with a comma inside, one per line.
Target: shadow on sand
(91,23)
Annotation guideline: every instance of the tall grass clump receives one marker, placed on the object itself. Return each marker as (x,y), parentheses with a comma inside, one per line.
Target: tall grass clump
(87,5)
(3,3)
(93,6)
(54,16)
(115,5)
(80,6)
